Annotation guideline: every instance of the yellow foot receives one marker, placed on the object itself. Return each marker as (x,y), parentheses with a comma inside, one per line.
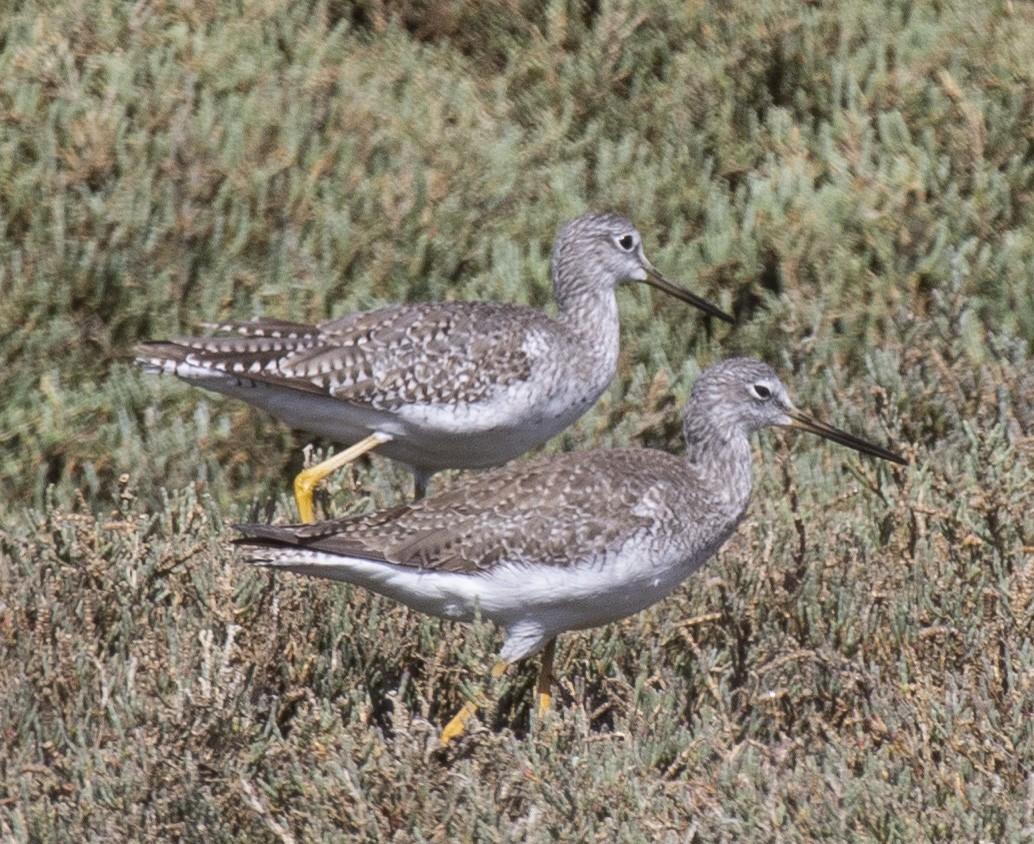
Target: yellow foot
(457,724)
(306,480)
(460,719)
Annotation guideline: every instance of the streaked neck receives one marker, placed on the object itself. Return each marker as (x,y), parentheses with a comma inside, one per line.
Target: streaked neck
(721,458)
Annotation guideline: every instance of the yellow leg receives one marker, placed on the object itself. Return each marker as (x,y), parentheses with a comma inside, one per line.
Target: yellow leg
(307,479)
(546,679)
(459,720)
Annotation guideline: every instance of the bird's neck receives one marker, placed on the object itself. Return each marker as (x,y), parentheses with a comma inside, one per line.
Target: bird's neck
(720,457)
(590,317)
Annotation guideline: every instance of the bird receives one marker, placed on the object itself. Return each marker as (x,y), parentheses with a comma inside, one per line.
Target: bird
(435,385)
(565,541)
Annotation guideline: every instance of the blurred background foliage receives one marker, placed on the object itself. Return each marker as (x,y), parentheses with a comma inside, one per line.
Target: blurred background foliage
(852,179)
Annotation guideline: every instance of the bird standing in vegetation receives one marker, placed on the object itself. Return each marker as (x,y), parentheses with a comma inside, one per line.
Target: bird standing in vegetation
(564,542)
(436,385)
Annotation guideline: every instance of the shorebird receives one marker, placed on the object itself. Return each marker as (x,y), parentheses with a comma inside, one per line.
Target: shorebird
(564,542)
(436,385)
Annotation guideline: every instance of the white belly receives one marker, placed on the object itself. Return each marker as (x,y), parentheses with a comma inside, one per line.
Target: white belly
(532,602)
(428,437)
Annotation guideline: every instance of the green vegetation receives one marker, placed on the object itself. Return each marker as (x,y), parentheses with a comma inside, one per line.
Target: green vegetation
(853,179)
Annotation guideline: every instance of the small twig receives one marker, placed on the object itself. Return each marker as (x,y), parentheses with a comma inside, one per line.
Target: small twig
(263,811)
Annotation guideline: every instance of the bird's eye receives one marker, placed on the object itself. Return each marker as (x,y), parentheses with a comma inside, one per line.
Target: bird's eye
(761,391)
(626,242)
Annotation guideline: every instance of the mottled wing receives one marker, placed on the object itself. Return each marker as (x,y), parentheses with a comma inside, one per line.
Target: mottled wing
(556,510)
(439,352)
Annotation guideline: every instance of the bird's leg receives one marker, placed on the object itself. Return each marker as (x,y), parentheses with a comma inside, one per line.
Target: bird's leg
(546,679)
(307,479)
(420,479)
(459,720)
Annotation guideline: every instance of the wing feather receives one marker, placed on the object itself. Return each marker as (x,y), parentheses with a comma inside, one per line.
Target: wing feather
(436,352)
(555,510)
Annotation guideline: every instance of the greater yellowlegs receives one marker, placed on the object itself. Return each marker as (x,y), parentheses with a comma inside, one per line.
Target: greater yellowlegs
(563,542)
(436,385)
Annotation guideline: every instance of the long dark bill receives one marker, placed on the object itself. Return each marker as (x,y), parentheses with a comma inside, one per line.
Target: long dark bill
(655,279)
(806,423)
